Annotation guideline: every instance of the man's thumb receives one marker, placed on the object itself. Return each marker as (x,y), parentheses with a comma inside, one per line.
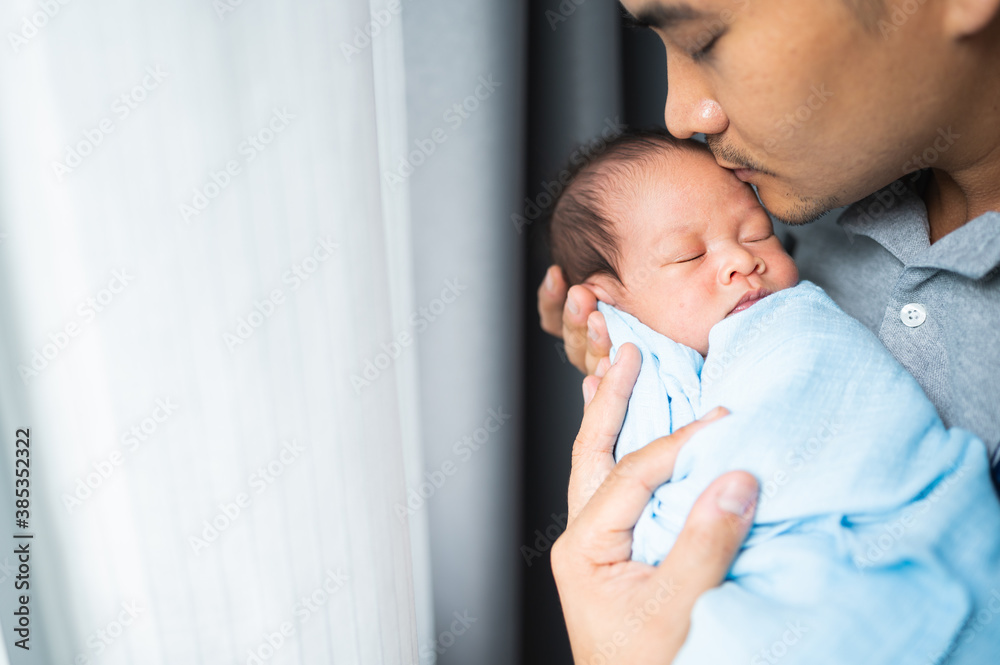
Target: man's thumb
(712,534)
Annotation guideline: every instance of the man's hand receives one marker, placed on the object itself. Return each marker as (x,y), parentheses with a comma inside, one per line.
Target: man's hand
(575,319)
(626,611)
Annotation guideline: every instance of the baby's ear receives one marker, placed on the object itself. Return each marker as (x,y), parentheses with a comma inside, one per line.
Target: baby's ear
(606,288)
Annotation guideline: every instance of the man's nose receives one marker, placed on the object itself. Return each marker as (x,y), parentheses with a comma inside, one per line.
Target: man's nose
(691,108)
(738,261)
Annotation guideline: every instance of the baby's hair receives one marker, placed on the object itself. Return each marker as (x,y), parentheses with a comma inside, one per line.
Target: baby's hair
(581,228)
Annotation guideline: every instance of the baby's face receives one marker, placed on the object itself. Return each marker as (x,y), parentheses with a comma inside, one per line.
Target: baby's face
(696,247)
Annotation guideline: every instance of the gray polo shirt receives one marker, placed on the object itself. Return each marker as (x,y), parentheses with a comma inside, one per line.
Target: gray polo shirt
(935,307)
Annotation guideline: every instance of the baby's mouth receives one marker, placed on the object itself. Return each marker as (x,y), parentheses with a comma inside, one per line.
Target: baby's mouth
(749,300)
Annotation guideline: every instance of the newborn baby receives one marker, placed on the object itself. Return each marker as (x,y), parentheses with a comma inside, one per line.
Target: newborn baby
(877,533)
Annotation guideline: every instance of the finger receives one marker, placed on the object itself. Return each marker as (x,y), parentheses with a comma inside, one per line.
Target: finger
(615,507)
(598,341)
(712,535)
(551,298)
(605,403)
(580,302)
(590,384)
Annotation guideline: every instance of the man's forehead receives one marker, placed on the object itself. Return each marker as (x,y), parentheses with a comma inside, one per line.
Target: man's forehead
(664,14)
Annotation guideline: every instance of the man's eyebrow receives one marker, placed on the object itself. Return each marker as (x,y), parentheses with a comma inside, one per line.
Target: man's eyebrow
(662,16)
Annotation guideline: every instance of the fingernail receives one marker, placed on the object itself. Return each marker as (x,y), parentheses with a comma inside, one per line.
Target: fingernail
(549,282)
(574,308)
(618,354)
(602,368)
(737,499)
(592,333)
(588,393)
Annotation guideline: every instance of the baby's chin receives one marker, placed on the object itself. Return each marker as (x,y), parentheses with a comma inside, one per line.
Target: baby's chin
(658,320)
(696,341)
(700,346)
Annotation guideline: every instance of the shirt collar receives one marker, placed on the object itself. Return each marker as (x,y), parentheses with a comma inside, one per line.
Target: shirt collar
(896,218)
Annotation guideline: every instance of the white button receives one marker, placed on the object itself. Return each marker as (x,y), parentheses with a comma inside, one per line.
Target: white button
(913,315)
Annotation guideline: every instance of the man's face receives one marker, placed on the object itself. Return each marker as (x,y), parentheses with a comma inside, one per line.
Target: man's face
(695,247)
(819,104)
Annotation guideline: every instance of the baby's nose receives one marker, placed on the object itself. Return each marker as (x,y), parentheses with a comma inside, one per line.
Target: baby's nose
(739,262)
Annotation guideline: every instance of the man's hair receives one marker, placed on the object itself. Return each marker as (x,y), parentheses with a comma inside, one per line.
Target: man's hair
(582,224)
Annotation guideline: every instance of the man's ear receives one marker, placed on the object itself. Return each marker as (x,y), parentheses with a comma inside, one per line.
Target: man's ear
(605,287)
(967,18)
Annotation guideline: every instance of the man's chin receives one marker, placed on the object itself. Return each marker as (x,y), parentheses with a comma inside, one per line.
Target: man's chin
(795,211)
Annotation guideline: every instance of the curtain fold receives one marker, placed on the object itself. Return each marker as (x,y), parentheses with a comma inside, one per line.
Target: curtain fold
(200,261)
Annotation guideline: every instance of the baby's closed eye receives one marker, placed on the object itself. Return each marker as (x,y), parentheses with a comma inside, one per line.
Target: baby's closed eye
(760,237)
(688,258)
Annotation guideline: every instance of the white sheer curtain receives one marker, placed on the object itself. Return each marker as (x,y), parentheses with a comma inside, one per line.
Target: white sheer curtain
(200,258)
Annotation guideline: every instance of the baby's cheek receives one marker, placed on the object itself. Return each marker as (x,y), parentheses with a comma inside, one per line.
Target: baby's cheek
(792,273)
(783,269)
(689,323)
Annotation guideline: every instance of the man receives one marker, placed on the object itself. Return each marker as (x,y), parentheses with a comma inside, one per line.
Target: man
(819,104)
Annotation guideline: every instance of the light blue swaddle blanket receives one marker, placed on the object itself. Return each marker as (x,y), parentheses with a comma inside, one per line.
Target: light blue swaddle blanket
(877,532)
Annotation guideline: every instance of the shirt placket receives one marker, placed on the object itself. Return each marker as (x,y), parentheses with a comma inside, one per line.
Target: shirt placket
(911,330)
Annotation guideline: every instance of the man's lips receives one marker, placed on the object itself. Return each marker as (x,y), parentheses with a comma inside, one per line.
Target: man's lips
(744,173)
(749,300)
